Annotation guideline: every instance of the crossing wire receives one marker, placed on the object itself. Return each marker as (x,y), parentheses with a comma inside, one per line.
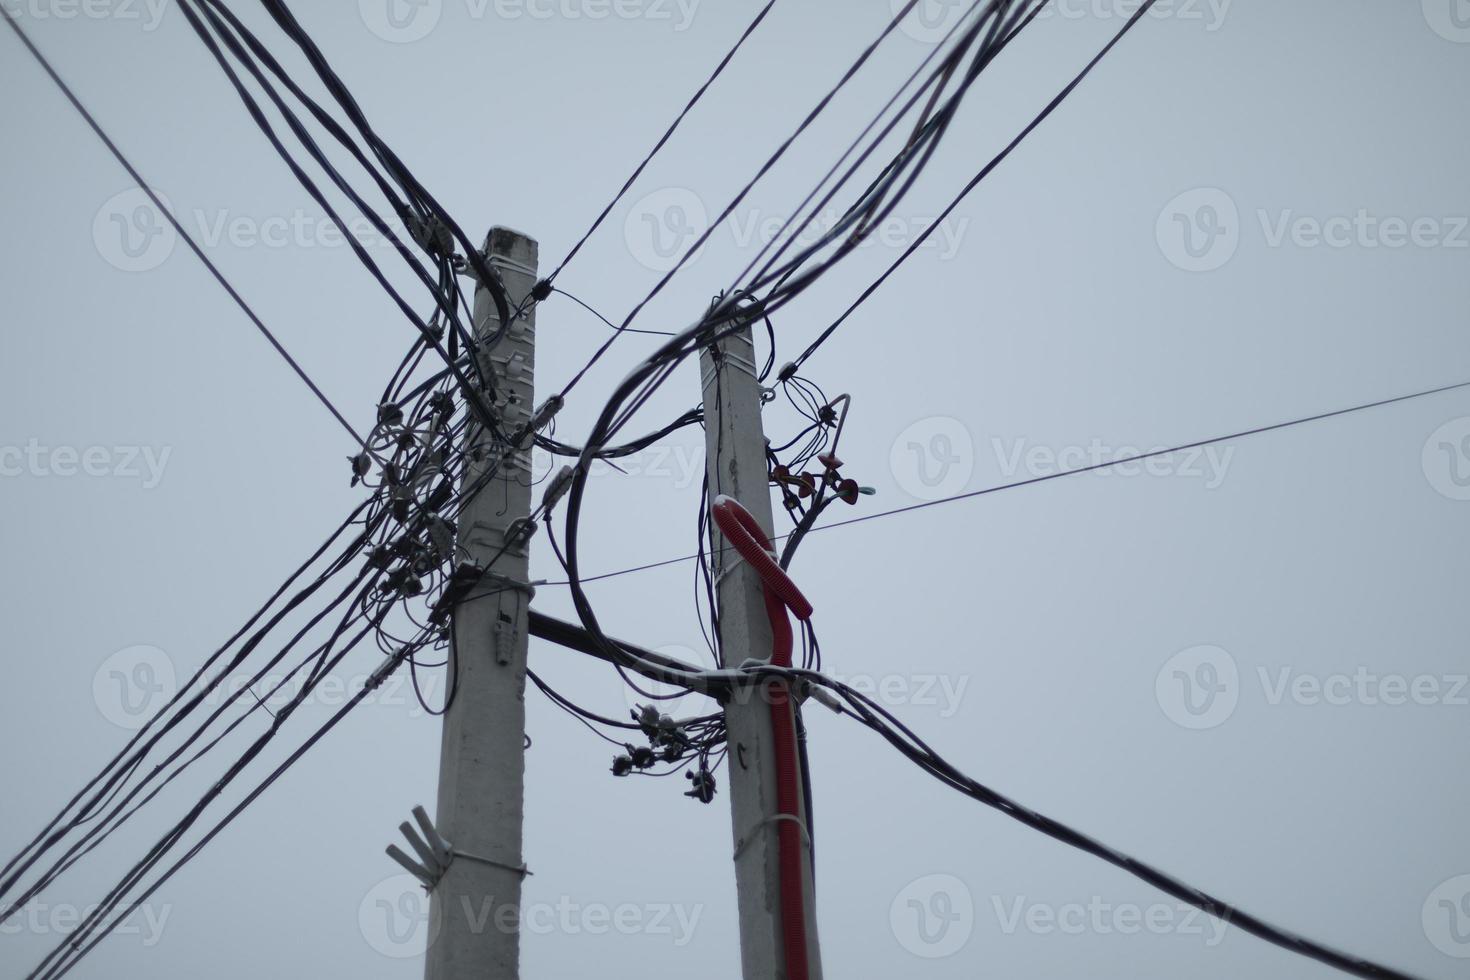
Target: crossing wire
(1046,478)
(163,209)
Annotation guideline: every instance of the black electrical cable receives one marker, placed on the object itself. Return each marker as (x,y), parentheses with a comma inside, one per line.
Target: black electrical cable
(121,814)
(386,602)
(735,202)
(374,520)
(735,304)
(638,171)
(610,324)
(487,276)
(59,960)
(50,836)
(116,817)
(880,720)
(218,15)
(253,109)
(178,227)
(582,714)
(865,213)
(852,147)
(975,181)
(78,952)
(693,416)
(1058,475)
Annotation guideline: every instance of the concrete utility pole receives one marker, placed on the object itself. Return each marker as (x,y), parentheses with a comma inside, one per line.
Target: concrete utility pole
(474,932)
(736,464)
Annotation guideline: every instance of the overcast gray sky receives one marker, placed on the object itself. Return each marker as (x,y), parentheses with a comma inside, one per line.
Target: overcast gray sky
(1252,212)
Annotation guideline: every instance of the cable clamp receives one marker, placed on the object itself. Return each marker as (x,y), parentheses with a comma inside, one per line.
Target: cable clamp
(557,488)
(486,536)
(823,696)
(511,365)
(745,841)
(539,420)
(508,584)
(521,870)
(469,574)
(496,263)
(500,262)
(521,530)
(727,569)
(516,459)
(375,679)
(434,853)
(431,234)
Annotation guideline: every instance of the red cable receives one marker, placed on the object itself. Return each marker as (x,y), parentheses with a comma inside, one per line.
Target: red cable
(743,531)
(788,797)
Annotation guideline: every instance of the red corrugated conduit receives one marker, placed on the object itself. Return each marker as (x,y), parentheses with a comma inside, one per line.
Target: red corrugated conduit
(745,535)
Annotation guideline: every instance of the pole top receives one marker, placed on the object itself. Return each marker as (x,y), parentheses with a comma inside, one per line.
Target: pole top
(508,241)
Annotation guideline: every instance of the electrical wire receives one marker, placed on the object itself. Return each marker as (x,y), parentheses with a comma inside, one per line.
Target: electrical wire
(870,713)
(638,171)
(146,188)
(410,428)
(770,162)
(986,491)
(610,324)
(974,182)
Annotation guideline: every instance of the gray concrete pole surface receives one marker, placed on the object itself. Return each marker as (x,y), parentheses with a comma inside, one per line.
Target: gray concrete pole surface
(736,465)
(474,932)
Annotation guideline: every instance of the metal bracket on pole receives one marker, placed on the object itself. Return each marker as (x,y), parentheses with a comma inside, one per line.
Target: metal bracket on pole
(435,854)
(433,850)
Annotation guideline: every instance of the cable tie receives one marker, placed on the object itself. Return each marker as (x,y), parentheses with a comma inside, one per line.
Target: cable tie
(727,569)
(745,841)
(502,262)
(522,870)
(744,533)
